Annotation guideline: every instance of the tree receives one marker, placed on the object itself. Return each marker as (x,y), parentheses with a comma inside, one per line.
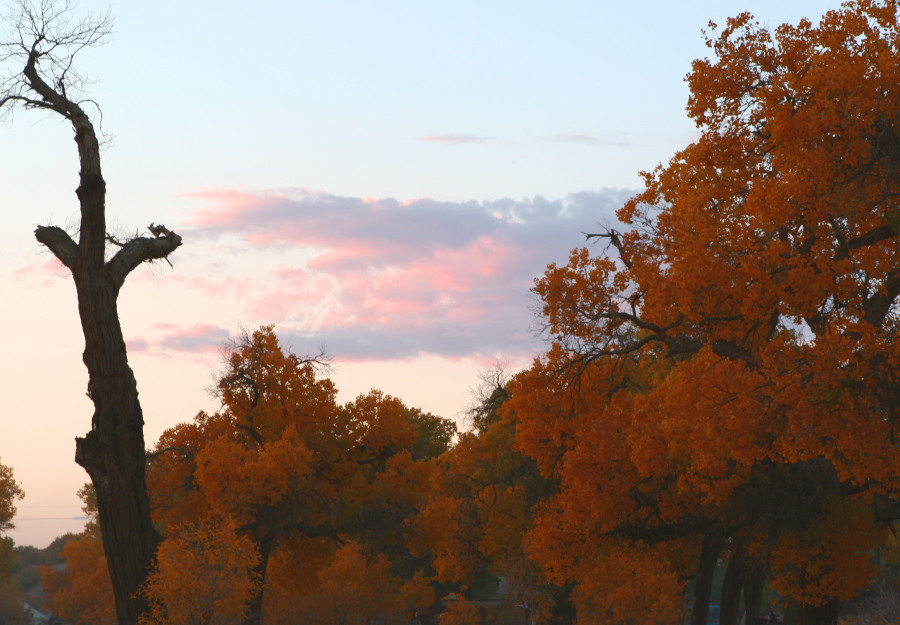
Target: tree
(82,592)
(722,380)
(40,57)
(10,492)
(12,609)
(303,478)
(10,598)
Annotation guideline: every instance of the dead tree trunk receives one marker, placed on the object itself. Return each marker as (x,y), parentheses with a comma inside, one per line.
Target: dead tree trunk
(113,451)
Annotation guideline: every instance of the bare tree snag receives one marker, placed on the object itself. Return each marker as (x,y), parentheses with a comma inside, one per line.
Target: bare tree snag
(41,50)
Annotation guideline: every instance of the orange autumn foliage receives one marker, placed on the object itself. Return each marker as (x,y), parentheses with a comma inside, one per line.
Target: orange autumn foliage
(726,367)
(831,558)
(300,475)
(461,612)
(205,575)
(82,594)
(474,524)
(353,589)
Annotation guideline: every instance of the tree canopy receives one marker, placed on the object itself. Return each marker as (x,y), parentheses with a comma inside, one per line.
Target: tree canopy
(723,377)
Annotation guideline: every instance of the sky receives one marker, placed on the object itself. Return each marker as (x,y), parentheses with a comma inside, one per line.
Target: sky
(383,180)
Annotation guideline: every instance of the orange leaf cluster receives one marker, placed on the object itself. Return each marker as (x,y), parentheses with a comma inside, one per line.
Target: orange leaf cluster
(82,593)
(205,575)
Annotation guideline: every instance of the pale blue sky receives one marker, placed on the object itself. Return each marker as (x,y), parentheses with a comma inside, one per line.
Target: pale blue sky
(295,146)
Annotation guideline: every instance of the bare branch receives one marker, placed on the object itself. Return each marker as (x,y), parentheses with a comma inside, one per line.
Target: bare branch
(37,55)
(114,240)
(876,235)
(615,239)
(184,451)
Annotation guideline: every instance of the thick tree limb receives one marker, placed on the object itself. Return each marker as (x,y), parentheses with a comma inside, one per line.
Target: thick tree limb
(876,235)
(877,307)
(141,249)
(50,98)
(60,243)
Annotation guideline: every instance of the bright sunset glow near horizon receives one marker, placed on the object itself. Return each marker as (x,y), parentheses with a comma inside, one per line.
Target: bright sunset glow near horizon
(381,179)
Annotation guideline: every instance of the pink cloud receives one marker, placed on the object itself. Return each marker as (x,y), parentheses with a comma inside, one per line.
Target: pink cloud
(137,344)
(219,286)
(195,339)
(45,273)
(389,278)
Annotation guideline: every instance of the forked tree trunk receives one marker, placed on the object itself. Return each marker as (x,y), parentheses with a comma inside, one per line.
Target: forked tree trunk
(113,452)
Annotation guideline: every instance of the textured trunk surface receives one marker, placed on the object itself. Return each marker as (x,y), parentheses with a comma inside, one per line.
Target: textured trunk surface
(753,590)
(732,586)
(255,611)
(713,542)
(113,452)
(826,614)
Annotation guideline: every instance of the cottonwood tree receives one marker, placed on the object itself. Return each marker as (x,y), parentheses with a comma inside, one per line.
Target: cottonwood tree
(38,56)
(723,380)
(324,491)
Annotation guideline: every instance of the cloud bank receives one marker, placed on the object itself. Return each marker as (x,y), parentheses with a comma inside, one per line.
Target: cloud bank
(374,279)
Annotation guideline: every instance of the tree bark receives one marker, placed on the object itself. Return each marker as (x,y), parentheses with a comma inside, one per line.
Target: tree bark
(753,589)
(732,585)
(255,611)
(113,451)
(713,542)
(825,614)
